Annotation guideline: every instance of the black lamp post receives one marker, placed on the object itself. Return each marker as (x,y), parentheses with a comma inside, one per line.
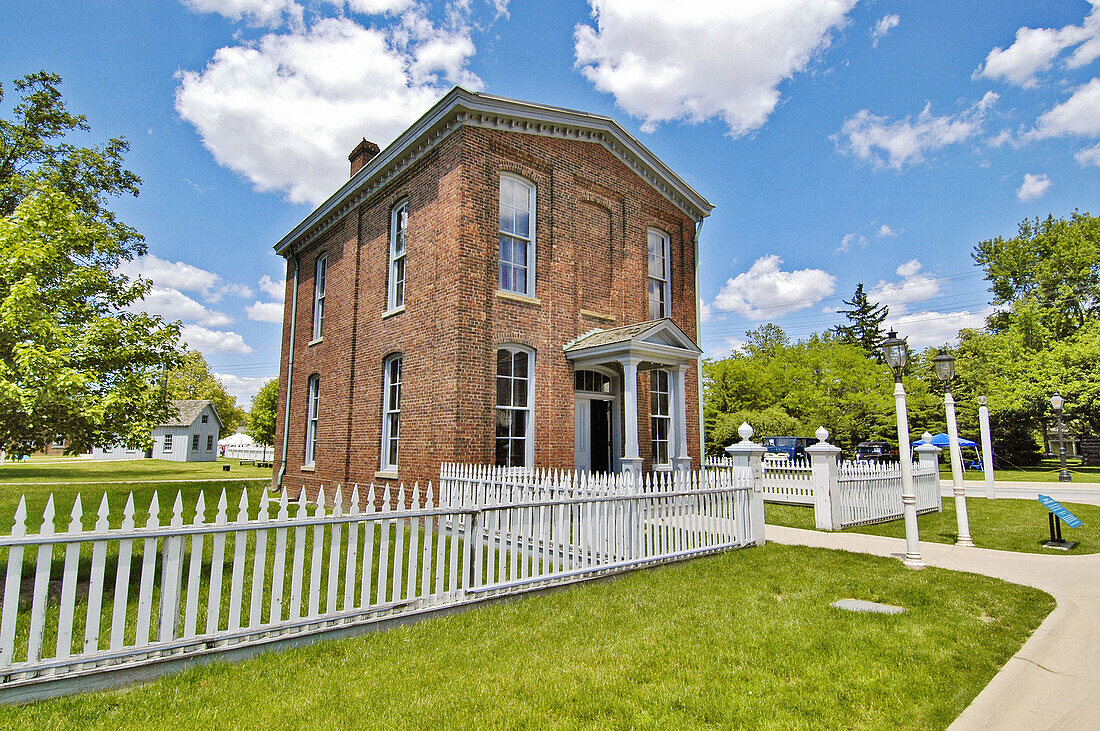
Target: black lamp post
(1057,402)
(896,353)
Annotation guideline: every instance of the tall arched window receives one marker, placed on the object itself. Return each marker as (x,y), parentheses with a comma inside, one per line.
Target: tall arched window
(515,377)
(517,236)
(391,412)
(312,413)
(320,274)
(399,223)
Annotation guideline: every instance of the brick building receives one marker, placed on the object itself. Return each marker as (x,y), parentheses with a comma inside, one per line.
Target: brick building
(506,283)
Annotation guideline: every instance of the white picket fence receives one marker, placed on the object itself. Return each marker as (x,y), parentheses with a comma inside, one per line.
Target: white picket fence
(254,452)
(315,568)
(870,492)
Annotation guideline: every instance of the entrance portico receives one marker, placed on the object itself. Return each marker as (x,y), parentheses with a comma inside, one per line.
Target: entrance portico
(646,346)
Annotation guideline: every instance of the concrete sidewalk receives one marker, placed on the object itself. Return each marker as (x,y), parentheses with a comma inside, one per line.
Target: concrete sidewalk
(1069,492)
(1053,682)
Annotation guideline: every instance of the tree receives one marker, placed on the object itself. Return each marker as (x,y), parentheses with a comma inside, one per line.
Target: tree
(192,379)
(1053,265)
(865,323)
(261,420)
(73,360)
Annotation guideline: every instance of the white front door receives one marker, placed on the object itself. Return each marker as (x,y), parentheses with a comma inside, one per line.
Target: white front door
(582,435)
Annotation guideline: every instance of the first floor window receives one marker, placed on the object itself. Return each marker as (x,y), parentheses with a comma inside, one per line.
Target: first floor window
(660,418)
(194,442)
(209,442)
(167,443)
(312,411)
(513,440)
(391,412)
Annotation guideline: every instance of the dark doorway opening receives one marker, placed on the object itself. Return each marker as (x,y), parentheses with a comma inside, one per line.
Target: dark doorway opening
(601,436)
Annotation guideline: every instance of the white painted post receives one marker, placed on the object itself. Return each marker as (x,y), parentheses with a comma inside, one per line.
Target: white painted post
(913,558)
(11,586)
(963,519)
(749,454)
(631,461)
(987,448)
(682,461)
(826,487)
(928,456)
(93,616)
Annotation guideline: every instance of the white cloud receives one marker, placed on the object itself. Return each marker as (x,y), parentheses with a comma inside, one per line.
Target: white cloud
(765,291)
(665,60)
(267,13)
(902,142)
(885,232)
(1036,49)
(273,288)
(930,328)
(1001,139)
(704,311)
(914,286)
(180,275)
(1088,156)
(377,7)
(883,27)
(206,340)
(175,305)
(243,388)
(285,110)
(728,347)
(1033,187)
(849,241)
(265,311)
(1078,115)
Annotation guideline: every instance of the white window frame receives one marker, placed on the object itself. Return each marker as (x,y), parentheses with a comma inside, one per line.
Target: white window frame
(656,415)
(525,412)
(167,446)
(529,282)
(663,279)
(391,411)
(312,413)
(399,229)
(320,277)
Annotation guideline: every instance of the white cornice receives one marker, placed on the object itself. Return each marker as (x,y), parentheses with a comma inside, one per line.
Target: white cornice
(460,107)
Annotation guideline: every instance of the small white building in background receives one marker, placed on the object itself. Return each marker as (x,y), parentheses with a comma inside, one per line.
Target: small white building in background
(191,436)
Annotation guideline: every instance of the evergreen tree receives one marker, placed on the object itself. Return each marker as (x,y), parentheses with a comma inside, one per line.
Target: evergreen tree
(865,320)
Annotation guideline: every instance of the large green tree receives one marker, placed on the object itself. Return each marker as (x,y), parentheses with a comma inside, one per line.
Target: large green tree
(192,379)
(864,328)
(74,361)
(261,419)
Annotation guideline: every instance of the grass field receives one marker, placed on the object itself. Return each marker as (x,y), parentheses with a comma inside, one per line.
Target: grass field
(1004,524)
(1046,471)
(742,639)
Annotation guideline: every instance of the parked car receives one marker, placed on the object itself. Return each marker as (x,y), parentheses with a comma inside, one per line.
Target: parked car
(779,448)
(876,452)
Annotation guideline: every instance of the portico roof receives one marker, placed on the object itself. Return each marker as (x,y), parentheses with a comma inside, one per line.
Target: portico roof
(656,342)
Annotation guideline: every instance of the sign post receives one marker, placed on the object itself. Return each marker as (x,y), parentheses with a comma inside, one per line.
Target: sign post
(1058,513)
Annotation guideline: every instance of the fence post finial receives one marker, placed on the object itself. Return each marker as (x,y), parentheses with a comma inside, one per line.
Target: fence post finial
(751,455)
(824,474)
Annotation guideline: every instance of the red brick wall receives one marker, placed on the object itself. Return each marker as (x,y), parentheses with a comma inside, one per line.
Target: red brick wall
(592,216)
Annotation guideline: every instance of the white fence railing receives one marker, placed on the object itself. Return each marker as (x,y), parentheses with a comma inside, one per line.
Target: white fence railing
(871,492)
(255,452)
(202,588)
(787,481)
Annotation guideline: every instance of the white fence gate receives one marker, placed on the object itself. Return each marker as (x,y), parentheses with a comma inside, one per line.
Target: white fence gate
(245,583)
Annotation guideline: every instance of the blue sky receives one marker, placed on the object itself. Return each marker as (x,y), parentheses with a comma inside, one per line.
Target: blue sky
(841,141)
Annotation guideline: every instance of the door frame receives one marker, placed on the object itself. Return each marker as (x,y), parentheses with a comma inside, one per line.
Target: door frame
(583,400)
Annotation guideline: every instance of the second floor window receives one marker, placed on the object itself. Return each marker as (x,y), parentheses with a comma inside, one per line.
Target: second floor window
(399,223)
(312,412)
(660,418)
(517,236)
(319,297)
(391,413)
(658,275)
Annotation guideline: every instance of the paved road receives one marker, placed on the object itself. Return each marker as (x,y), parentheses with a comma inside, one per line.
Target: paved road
(1070,492)
(1053,682)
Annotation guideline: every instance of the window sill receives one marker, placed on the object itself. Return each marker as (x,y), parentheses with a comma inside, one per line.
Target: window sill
(309,468)
(597,315)
(662,468)
(386,475)
(314,342)
(394,311)
(516,297)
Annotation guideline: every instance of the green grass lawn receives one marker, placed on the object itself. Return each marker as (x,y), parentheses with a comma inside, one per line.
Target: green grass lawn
(1004,524)
(1046,471)
(742,639)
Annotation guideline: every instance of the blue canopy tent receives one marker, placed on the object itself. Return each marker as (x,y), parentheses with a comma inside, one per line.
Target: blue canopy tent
(942,441)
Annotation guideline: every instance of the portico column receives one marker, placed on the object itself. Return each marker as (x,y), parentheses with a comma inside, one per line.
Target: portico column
(631,461)
(682,459)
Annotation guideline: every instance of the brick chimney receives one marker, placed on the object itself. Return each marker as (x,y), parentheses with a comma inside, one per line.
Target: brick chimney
(363,153)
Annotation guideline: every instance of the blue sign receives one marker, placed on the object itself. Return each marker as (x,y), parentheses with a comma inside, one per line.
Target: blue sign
(1060,510)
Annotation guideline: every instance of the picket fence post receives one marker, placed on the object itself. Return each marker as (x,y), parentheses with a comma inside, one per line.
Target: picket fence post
(824,472)
(750,454)
(928,455)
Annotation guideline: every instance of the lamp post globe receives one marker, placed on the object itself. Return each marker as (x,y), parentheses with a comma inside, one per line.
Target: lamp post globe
(945,371)
(896,353)
(1057,402)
